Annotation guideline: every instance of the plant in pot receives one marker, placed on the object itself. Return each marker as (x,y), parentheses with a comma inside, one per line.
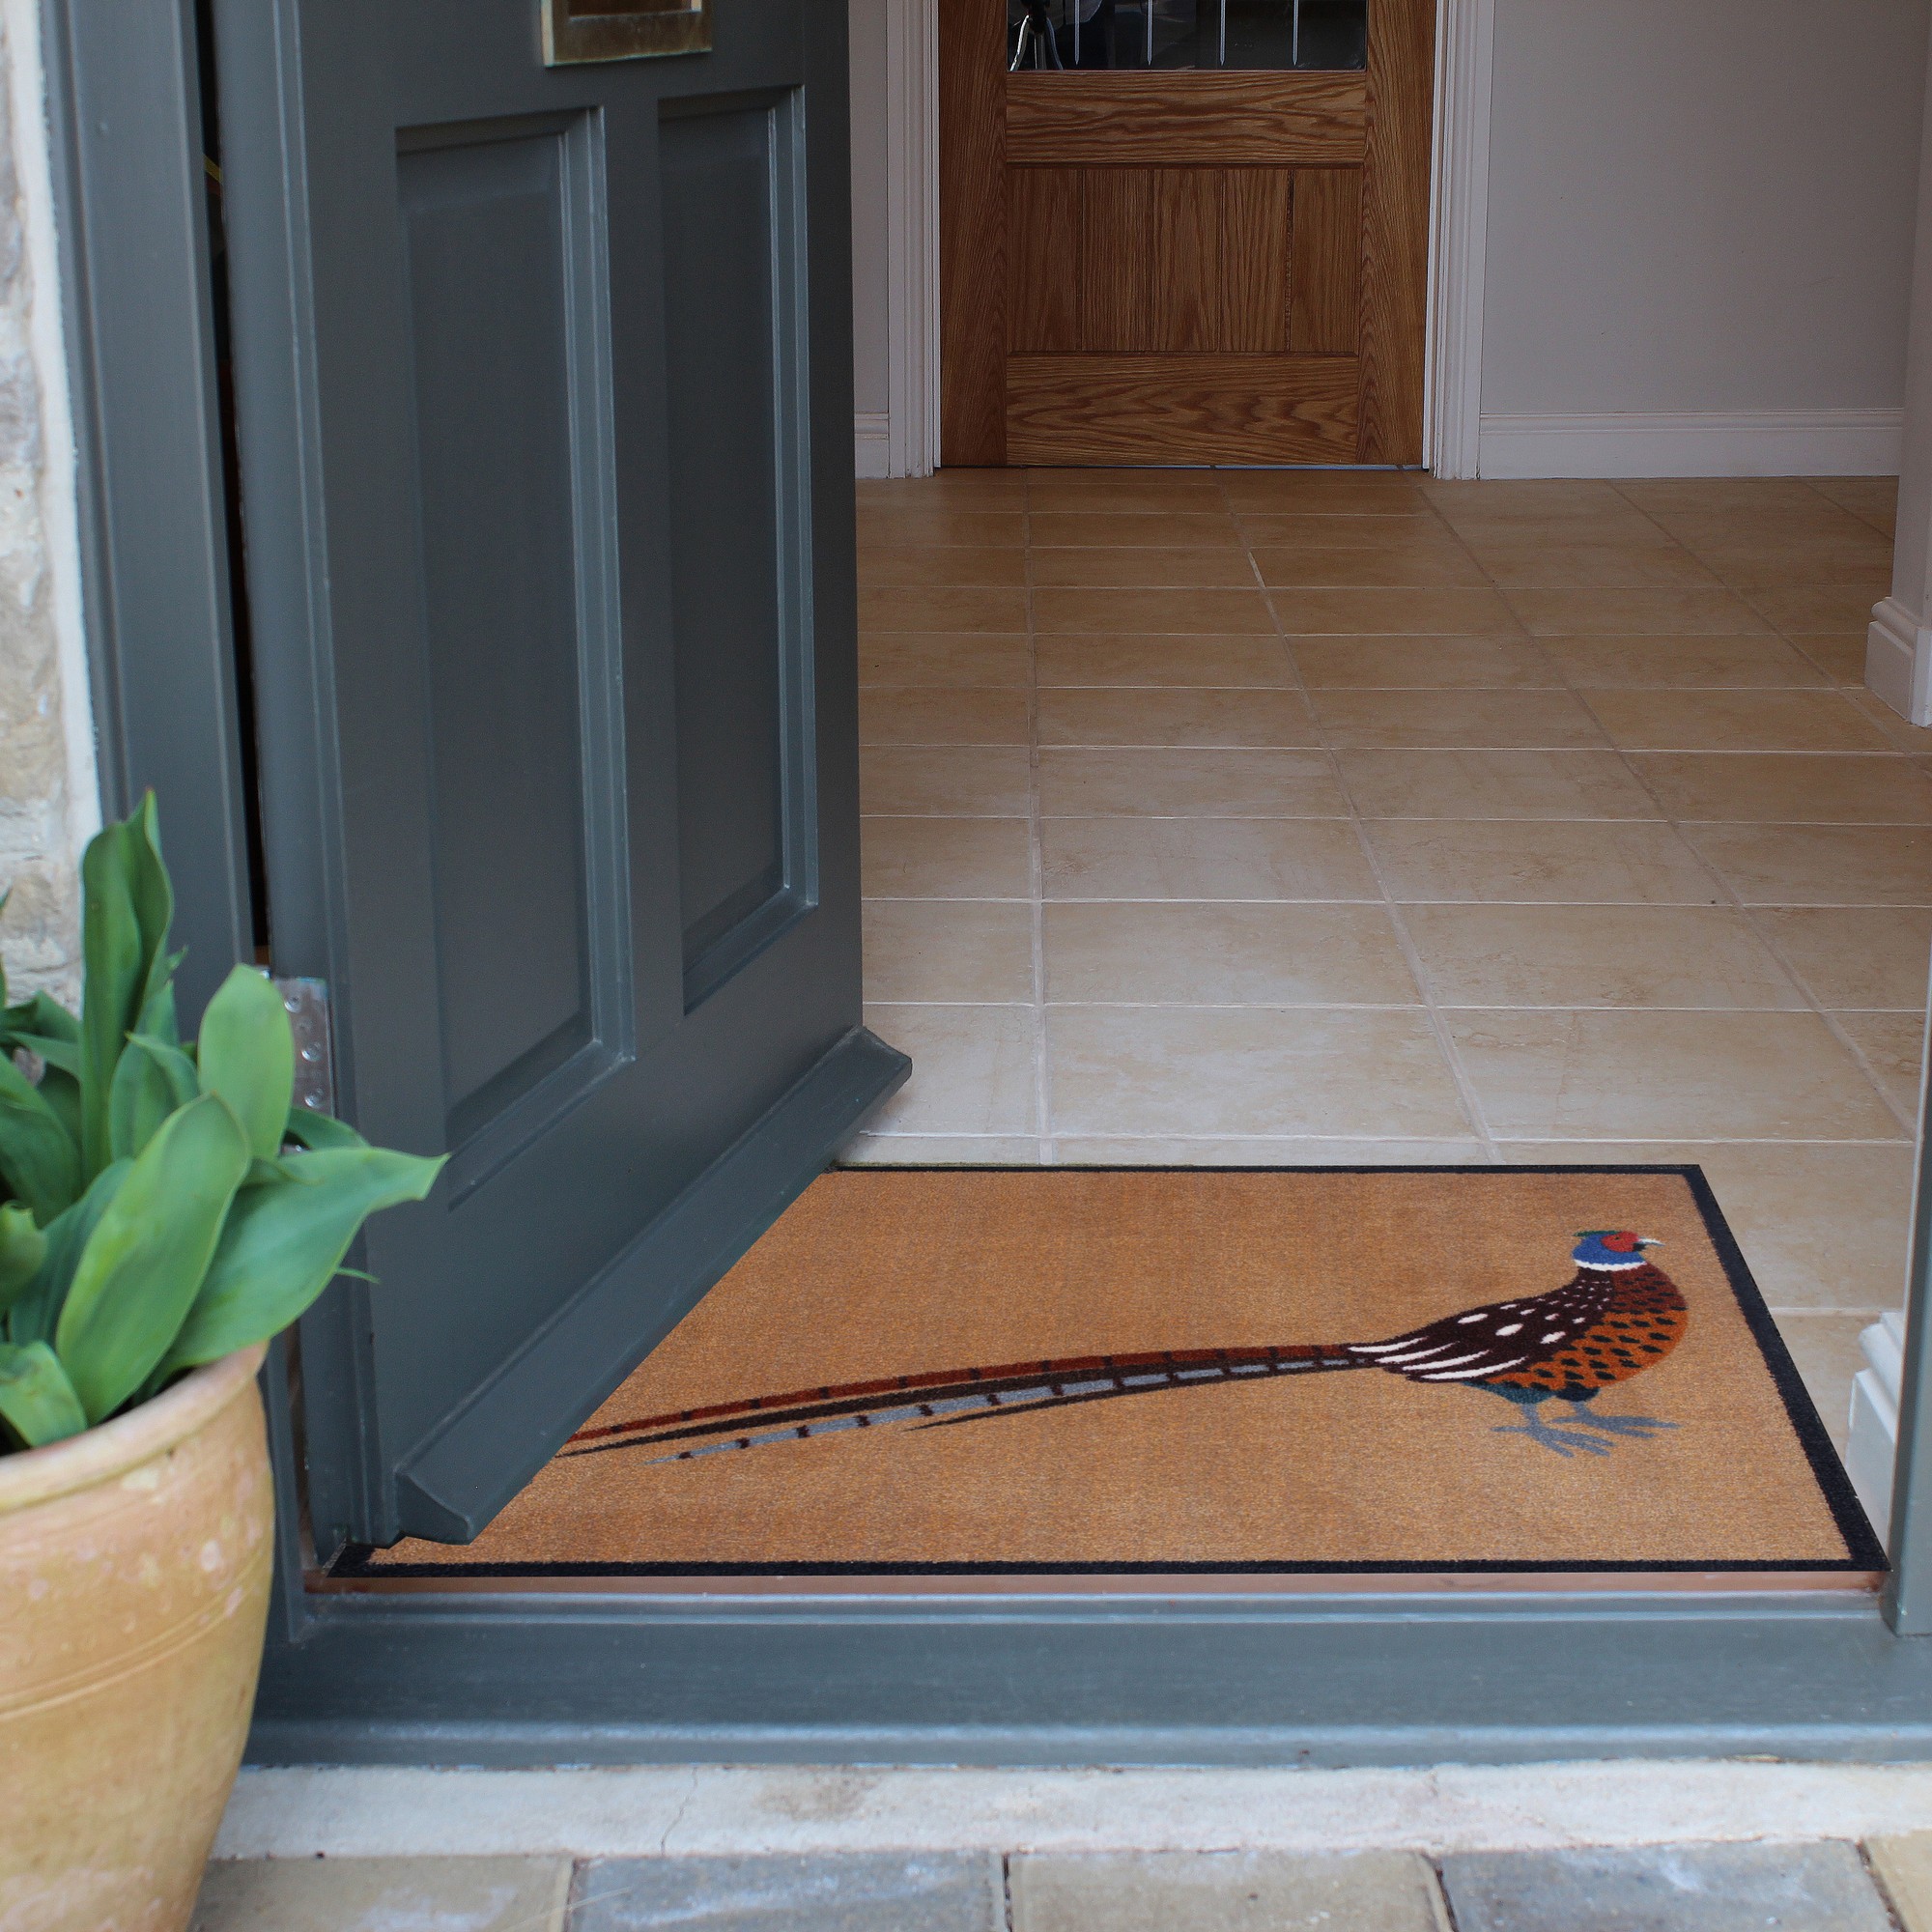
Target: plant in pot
(166,1210)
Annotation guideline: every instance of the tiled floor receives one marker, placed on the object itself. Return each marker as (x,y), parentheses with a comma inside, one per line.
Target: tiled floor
(1823,1886)
(1326,817)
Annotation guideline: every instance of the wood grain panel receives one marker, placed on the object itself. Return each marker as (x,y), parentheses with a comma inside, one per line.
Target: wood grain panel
(1395,229)
(1043,308)
(1116,259)
(1325,277)
(1181,409)
(1187,305)
(972,231)
(1254,259)
(1181,118)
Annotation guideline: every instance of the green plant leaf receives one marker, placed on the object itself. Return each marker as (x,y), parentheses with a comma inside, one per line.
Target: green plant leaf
(309,1127)
(33,1317)
(37,1154)
(151,894)
(23,1248)
(153,1080)
(42,1017)
(37,1400)
(116,970)
(284,1243)
(247,1055)
(144,1263)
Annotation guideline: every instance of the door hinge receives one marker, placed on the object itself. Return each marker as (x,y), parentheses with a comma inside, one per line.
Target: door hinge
(307,1004)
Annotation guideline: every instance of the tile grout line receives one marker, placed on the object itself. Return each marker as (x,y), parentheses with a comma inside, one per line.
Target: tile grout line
(1445,1045)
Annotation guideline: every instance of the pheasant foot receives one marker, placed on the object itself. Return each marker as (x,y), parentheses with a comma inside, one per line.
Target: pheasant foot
(1642,1426)
(1559,1437)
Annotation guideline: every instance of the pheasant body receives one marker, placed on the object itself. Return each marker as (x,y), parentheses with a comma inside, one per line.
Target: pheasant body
(1617,1315)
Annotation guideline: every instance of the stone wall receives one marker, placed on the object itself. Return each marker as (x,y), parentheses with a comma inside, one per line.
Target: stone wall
(48,801)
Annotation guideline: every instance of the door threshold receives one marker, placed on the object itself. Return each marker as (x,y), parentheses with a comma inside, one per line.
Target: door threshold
(619,1580)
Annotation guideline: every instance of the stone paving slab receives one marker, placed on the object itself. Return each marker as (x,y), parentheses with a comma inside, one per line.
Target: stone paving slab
(876,1892)
(467,1895)
(1904,1867)
(1226,1892)
(1814,1887)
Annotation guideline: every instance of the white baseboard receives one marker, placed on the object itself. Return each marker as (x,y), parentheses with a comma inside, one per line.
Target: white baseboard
(1701,442)
(1898,655)
(873,446)
(1873,1445)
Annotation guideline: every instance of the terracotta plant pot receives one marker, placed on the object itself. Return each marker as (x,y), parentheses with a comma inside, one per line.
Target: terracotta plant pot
(134,1565)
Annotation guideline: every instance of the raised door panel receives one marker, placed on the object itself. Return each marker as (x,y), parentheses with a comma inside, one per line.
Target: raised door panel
(1325,275)
(1117,271)
(1202,119)
(1043,240)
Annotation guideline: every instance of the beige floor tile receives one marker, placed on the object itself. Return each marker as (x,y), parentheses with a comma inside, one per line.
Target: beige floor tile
(1894,1046)
(1173,612)
(1904,1869)
(1188,784)
(1524,861)
(1826,1349)
(940,1151)
(1899,733)
(1176,716)
(1872,499)
(1321,1071)
(974,528)
(1617,613)
(1077,493)
(1301,531)
(935,714)
(1412,563)
(969,781)
(1674,497)
(1863,565)
(949,951)
(1867,957)
(1609,1075)
(1687,663)
(1593,527)
(950,489)
(1820,521)
(925,607)
(946,858)
(1118,565)
(1225,955)
(1820,865)
(1561,956)
(1210,1151)
(1494,784)
(1424,664)
(1821,1226)
(1838,656)
(1469,613)
(1196,530)
(1793,788)
(973,1070)
(1632,566)
(350,1894)
(1281,492)
(940,564)
(1204,859)
(1801,612)
(1735,721)
(944,657)
(1252,663)
(1551,497)
(1418,720)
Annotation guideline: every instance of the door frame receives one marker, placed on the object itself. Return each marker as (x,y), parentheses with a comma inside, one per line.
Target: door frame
(1459,236)
(448,1675)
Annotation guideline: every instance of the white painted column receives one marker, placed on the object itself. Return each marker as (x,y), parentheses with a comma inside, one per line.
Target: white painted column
(1898,646)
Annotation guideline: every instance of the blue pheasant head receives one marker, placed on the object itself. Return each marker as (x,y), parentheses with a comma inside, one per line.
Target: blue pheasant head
(1609,1248)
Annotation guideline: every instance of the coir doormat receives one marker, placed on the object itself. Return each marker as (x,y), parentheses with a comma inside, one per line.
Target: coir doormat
(1255,1373)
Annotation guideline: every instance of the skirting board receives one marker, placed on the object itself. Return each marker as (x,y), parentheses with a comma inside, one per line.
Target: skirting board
(871,439)
(1700,443)
(1899,662)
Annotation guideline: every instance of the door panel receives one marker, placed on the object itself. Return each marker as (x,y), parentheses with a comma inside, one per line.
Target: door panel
(1180,266)
(551,587)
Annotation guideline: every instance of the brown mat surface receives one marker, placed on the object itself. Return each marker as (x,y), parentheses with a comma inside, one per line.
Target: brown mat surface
(886,1273)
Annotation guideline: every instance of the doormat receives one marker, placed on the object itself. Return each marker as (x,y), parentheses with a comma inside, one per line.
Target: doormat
(1258,1373)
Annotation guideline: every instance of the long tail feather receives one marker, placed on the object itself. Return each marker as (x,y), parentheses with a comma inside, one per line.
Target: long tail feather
(947,1396)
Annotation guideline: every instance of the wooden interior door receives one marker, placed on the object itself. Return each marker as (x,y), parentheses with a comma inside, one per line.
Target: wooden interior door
(1169,265)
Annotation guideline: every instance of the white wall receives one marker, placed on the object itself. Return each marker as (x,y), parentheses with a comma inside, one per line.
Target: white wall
(868,205)
(1702,207)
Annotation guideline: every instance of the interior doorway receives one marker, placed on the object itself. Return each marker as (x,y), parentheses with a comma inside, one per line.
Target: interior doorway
(1184,231)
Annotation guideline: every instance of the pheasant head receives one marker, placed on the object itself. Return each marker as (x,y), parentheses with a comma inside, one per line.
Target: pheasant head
(1610,1248)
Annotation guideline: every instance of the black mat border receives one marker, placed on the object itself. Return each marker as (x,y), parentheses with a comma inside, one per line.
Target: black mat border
(1866,1552)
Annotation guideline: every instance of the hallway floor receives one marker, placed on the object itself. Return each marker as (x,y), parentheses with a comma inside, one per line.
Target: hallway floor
(1330,818)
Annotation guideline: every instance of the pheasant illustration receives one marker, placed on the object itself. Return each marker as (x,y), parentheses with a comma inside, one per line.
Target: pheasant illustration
(1618,1315)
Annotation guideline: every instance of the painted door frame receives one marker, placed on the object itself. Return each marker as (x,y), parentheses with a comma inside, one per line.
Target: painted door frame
(445,1675)
(1459,219)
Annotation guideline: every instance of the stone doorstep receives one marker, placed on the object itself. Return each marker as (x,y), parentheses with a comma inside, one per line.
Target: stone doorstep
(1813,1886)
